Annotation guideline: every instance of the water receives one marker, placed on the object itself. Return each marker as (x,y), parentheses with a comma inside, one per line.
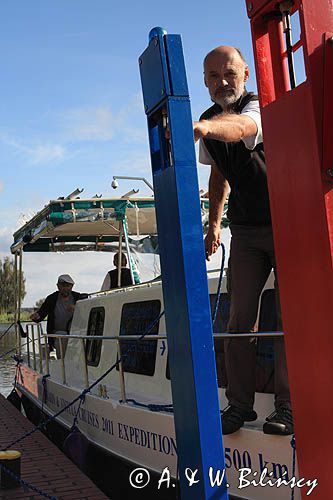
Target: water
(7,364)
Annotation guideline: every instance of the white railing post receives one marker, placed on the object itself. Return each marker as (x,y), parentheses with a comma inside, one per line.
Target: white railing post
(121,375)
(46,350)
(19,301)
(33,344)
(40,350)
(120,250)
(28,342)
(85,366)
(63,370)
(15,301)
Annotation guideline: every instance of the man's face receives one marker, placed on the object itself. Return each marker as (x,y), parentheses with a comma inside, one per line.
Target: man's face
(65,288)
(225,77)
(123,260)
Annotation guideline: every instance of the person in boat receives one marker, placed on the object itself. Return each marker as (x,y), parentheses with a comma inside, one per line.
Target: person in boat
(231,143)
(58,307)
(111,279)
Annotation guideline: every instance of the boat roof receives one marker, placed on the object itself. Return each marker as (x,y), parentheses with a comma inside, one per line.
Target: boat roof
(87,224)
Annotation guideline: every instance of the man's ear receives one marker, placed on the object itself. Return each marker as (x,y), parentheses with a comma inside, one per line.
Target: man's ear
(246,73)
(205,80)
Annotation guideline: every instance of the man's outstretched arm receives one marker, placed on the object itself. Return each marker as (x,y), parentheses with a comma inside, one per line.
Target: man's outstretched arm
(227,127)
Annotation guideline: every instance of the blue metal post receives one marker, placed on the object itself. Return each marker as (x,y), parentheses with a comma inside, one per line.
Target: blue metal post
(184,278)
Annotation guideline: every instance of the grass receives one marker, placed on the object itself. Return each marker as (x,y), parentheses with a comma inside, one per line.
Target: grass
(9,317)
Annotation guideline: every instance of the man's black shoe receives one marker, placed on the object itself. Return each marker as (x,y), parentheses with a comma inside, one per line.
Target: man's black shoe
(280,422)
(233,418)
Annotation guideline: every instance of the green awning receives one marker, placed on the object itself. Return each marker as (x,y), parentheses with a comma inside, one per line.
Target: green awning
(89,224)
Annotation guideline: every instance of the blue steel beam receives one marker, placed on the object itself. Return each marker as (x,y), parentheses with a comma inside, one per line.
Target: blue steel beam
(184,277)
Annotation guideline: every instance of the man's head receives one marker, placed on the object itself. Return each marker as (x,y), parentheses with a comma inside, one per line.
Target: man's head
(225,73)
(65,284)
(123,260)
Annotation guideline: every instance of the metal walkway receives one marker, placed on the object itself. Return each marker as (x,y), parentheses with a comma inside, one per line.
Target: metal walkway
(42,464)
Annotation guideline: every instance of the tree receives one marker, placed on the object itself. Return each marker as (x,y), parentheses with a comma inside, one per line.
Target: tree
(7,285)
(38,303)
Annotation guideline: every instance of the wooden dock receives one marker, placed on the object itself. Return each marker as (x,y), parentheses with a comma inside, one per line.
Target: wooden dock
(42,464)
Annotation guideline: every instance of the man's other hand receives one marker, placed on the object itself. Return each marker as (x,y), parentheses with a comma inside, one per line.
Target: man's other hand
(212,242)
(35,316)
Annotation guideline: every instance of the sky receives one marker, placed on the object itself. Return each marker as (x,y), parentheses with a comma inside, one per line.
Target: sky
(71,111)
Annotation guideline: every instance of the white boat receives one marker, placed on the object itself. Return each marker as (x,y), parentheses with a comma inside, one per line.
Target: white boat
(127,417)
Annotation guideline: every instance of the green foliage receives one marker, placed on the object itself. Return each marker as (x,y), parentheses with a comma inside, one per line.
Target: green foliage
(38,303)
(9,318)
(7,286)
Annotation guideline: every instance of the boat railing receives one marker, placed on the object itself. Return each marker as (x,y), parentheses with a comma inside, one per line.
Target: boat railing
(36,353)
(35,336)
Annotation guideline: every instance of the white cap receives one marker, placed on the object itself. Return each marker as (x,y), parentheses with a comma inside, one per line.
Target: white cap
(65,278)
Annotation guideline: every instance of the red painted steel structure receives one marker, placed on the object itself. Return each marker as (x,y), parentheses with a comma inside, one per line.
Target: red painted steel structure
(297,127)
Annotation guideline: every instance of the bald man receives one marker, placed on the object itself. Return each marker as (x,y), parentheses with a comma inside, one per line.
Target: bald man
(231,143)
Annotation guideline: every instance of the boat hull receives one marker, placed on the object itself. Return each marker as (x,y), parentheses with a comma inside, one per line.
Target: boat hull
(111,461)
(109,472)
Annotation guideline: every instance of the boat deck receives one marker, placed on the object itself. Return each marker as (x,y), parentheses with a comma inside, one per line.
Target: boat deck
(43,465)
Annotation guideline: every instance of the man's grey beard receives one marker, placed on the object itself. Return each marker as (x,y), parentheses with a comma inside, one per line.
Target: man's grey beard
(226,101)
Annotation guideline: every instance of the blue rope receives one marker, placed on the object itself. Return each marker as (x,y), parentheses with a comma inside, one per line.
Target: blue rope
(152,407)
(17,359)
(41,425)
(25,484)
(82,398)
(293,445)
(219,286)
(17,369)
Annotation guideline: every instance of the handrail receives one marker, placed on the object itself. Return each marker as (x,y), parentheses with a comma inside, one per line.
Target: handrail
(33,338)
(161,337)
(118,339)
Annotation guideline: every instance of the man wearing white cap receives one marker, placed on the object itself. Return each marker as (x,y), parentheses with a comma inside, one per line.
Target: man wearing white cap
(59,308)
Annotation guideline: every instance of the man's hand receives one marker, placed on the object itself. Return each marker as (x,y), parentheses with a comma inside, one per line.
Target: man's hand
(200,129)
(212,242)
(35,317)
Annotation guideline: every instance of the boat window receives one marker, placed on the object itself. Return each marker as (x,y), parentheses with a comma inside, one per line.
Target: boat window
(265,346)
(95,327)
(220,326)
(136,318)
